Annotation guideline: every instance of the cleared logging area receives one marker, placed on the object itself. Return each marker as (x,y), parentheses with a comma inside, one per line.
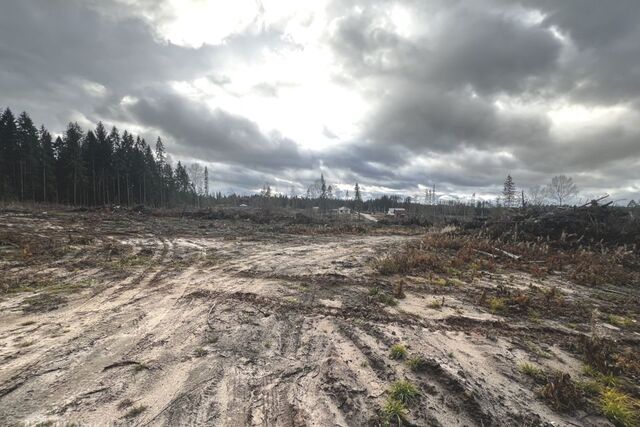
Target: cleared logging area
(140,318)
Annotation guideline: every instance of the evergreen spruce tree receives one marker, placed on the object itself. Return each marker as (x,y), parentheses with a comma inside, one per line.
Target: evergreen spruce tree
(90,157)
(47,162)
(357,198)
(9,155)
(161,159)
(29,147)
(509,192)
(103,164)
(117,164)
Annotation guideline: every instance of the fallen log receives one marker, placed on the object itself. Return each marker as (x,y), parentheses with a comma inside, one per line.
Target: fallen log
(509,254)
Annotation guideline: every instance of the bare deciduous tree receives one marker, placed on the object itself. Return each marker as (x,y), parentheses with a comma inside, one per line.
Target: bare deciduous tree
(196,174)
(562,188)
(537,195)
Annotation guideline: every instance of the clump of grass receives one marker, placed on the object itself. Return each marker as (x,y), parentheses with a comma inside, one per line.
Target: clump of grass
(537,350)
(200,352)
(532,371)
(534,317)
(589,388)
(387,300)
(411,259)
(590,371)
(620,321)
(398,351)
(437,304)
(619,408)
(394,411)
(440,281)
(403,391)
(134,412)
(496,304)
(416,363)
(608,380)
(376,294)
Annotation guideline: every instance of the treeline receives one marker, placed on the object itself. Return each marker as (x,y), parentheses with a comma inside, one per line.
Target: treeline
(97,167)
(106,167)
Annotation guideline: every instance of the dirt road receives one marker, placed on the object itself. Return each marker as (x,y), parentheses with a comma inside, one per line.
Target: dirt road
(168,322)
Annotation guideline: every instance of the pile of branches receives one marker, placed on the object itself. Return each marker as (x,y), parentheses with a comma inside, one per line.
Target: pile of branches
(592,224)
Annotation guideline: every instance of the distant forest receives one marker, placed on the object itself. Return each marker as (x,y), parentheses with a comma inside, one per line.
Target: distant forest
(103,167)
(106,167)
(99,167)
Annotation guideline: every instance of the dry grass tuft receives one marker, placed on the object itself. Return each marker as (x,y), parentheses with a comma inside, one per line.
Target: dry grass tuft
(410,260)
(619,408)
(561,392)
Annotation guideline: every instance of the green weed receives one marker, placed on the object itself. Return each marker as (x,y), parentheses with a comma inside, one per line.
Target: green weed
(403,391)
(398,351)
(619,408)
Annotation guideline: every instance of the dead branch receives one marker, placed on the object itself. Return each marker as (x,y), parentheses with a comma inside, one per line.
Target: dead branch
(119,364)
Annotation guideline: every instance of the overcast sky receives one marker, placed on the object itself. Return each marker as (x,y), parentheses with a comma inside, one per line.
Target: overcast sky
(396,95)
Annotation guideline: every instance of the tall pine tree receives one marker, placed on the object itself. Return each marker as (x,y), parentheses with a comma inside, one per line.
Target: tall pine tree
(509,192)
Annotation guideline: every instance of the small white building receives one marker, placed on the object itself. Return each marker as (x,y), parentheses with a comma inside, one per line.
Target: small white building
(397,212)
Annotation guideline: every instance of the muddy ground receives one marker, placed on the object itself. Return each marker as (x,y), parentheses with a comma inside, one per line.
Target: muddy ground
(139,320)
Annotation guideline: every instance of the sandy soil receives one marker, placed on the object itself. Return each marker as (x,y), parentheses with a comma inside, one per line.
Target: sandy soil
(158,321)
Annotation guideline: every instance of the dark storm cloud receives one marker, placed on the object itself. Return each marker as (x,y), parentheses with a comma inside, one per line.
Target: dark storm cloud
(490,51)
(425,119)
(438,90)
(52,50)
(215,135)
(439,93)
(606,65)
(53,54)
(461,102)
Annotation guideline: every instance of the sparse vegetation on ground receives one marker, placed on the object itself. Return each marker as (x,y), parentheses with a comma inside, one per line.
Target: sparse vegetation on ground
(532,371)
(394,411)
(621,409)
(403,391)
(398,351)
(216,303)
